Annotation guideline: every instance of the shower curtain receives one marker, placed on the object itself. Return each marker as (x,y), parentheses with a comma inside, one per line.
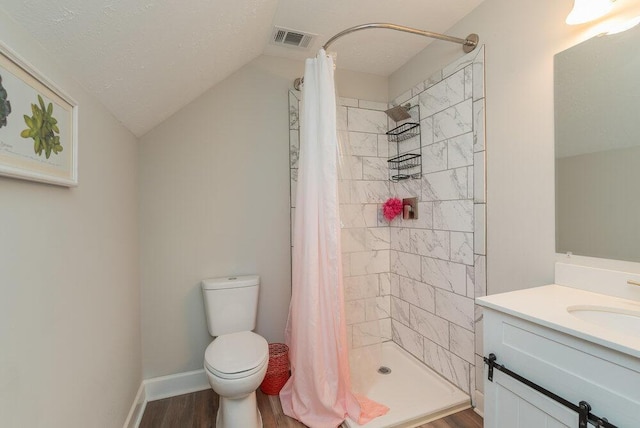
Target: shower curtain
(318,393)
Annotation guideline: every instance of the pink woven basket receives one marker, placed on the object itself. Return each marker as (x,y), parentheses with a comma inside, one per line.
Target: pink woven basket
(277,369)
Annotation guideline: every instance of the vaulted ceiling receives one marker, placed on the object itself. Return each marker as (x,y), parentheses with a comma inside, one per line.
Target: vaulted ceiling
(145,59)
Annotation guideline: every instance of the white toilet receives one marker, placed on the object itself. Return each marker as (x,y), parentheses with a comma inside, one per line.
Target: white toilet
(236,360)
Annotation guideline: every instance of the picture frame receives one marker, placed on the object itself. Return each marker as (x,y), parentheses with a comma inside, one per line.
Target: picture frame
(38,125)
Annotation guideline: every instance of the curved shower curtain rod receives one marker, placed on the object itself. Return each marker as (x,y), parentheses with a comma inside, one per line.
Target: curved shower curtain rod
(468,44)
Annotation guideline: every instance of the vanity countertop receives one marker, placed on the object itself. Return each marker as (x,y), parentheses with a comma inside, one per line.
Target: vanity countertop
(547,306)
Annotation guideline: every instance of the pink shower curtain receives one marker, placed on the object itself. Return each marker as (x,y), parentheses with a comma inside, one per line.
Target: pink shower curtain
(319,390)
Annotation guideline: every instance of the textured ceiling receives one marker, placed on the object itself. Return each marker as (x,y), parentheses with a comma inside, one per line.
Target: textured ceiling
(145,59)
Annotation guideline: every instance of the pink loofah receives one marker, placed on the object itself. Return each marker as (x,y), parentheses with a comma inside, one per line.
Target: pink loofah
(392,208)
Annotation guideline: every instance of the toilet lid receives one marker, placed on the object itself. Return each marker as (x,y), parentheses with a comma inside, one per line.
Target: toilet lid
(236,353)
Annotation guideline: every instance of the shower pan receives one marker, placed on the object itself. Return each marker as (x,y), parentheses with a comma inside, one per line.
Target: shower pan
(414,393)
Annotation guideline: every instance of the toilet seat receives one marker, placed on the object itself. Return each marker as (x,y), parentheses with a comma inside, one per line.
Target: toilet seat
(236,355)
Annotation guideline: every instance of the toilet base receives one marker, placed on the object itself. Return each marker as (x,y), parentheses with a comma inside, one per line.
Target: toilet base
(239,412)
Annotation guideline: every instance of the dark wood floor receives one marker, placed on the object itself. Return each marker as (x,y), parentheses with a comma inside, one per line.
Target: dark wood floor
(198,410)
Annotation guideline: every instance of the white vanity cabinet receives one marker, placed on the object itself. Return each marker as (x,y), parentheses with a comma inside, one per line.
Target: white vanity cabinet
(546,351)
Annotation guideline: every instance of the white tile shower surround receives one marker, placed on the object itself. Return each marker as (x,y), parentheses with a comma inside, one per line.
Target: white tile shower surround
(415,282)
(414,394)
(452,248)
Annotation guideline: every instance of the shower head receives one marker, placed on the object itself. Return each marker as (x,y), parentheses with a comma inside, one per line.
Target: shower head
(399,113)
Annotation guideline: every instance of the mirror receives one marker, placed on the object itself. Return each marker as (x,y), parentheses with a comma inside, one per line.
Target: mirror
(597,147)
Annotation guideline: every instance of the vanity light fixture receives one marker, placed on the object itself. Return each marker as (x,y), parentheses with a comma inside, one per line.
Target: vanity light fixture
(588,10)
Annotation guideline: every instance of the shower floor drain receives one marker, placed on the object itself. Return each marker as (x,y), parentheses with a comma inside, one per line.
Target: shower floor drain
(384,370)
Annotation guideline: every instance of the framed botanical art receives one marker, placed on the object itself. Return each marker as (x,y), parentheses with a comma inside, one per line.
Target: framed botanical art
(38,125)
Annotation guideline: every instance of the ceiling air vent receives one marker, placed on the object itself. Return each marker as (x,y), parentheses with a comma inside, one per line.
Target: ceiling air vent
(291,38)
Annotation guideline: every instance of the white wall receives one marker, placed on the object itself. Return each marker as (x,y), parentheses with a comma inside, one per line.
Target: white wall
(214,201)
(369,87)
(69,312)
(520,39)
(349,84)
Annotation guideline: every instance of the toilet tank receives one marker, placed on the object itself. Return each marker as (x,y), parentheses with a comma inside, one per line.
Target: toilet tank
(231,303)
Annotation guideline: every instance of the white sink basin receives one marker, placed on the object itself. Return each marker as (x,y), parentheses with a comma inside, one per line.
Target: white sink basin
(621,320)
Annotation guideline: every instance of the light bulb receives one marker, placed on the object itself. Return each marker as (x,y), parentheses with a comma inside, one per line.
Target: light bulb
(588,10)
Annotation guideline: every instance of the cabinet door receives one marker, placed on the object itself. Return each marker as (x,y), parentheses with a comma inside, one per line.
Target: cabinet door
(574,369)
(514,405)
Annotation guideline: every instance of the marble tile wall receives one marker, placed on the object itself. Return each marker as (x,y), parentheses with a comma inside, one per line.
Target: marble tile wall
(415,281)
(366,239)
(438,261)
(363,187)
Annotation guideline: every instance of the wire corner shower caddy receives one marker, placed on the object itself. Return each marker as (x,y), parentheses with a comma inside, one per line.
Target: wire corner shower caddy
(405,165)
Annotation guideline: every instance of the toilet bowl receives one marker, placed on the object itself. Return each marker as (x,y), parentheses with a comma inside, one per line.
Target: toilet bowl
(235,365)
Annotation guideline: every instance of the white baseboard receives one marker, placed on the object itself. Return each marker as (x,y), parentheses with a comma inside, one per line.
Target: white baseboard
(137,408)
(176,384)
(479,409)
(161,387)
